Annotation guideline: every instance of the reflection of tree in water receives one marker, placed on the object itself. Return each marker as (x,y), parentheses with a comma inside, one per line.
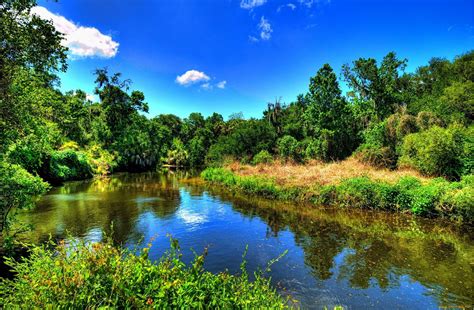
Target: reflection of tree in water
(120,199)
(377,248)
(368,260)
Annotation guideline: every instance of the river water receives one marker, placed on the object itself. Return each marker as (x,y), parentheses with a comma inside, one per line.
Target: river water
(354,259)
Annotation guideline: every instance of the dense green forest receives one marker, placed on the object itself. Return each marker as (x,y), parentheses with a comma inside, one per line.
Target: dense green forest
(389,118)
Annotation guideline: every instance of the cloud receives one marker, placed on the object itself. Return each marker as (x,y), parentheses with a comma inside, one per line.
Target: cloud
(81,41)
(265,29)
(253,39)
(221,84)
(192,77)
(288,5)
(307,3)
(207,86)
(250,4)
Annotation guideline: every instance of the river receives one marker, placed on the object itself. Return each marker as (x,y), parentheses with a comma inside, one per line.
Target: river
(355,259)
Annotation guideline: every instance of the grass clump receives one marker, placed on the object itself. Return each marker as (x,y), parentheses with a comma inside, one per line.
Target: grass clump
(100,275)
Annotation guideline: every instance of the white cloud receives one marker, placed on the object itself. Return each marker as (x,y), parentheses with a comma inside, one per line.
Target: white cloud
(253,39)
(81,41)
(288,5)
(206,86)
(265,29)
(307,3)
(250,4)
(221,84)
(192,77)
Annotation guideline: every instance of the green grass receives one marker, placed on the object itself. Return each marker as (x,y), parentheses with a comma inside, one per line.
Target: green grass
(99,275)
(454,200)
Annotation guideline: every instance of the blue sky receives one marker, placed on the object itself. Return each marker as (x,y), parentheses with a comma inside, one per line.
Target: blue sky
(245,53)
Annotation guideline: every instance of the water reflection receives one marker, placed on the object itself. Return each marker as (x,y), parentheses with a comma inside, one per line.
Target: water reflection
(358,259)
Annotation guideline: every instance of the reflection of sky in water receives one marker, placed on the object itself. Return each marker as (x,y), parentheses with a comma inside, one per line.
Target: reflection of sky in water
(73,197)
(199,219)
(141,200)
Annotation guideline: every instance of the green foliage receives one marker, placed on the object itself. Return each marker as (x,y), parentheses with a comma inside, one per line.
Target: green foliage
(426,120)
(377,149)
(197,151)
(177,154)
(288,147)
(18,189)
(246,139)
(102,162)
(263,157)
(438,151)
(67,165)
(328,118)
(100,275)
(384,85)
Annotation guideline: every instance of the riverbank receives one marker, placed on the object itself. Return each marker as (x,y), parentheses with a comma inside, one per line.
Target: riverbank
(351,184)
(81,275)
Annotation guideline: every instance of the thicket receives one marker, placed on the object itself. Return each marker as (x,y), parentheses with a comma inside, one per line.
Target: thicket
(100,275)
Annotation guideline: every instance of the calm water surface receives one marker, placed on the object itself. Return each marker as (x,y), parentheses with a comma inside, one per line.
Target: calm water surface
(359,260)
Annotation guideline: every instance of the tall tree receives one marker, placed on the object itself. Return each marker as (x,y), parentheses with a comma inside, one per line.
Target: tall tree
(327,115)
(382,85)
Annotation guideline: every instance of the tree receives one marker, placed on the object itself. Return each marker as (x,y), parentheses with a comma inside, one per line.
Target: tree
(328,112)
(383,85)
(117,104)
(30,46)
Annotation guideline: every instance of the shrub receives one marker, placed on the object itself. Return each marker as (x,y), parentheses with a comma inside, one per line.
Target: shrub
(263,157)
(318,148)
(177,155)
(436,151)
(383,157)
(288,148)
(377,150)
(18,189)
(86,276)
(29,152)
(67,165)
(101,161)
(426,120)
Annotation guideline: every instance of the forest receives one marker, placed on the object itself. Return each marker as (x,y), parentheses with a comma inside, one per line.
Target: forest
(388,119)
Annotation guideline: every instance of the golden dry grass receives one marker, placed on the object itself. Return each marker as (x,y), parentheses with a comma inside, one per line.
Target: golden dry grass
(316,172)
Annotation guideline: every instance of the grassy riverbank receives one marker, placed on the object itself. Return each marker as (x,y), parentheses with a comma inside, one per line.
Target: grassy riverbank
(352,185)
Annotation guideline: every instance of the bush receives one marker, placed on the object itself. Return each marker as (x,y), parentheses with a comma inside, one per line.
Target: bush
(377,149)
(288,148)
(86,276)
(177,155)
(18,189)
(29,152)
(101,161)
(436,151)
(426,120)
(67,165)
(263,157)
